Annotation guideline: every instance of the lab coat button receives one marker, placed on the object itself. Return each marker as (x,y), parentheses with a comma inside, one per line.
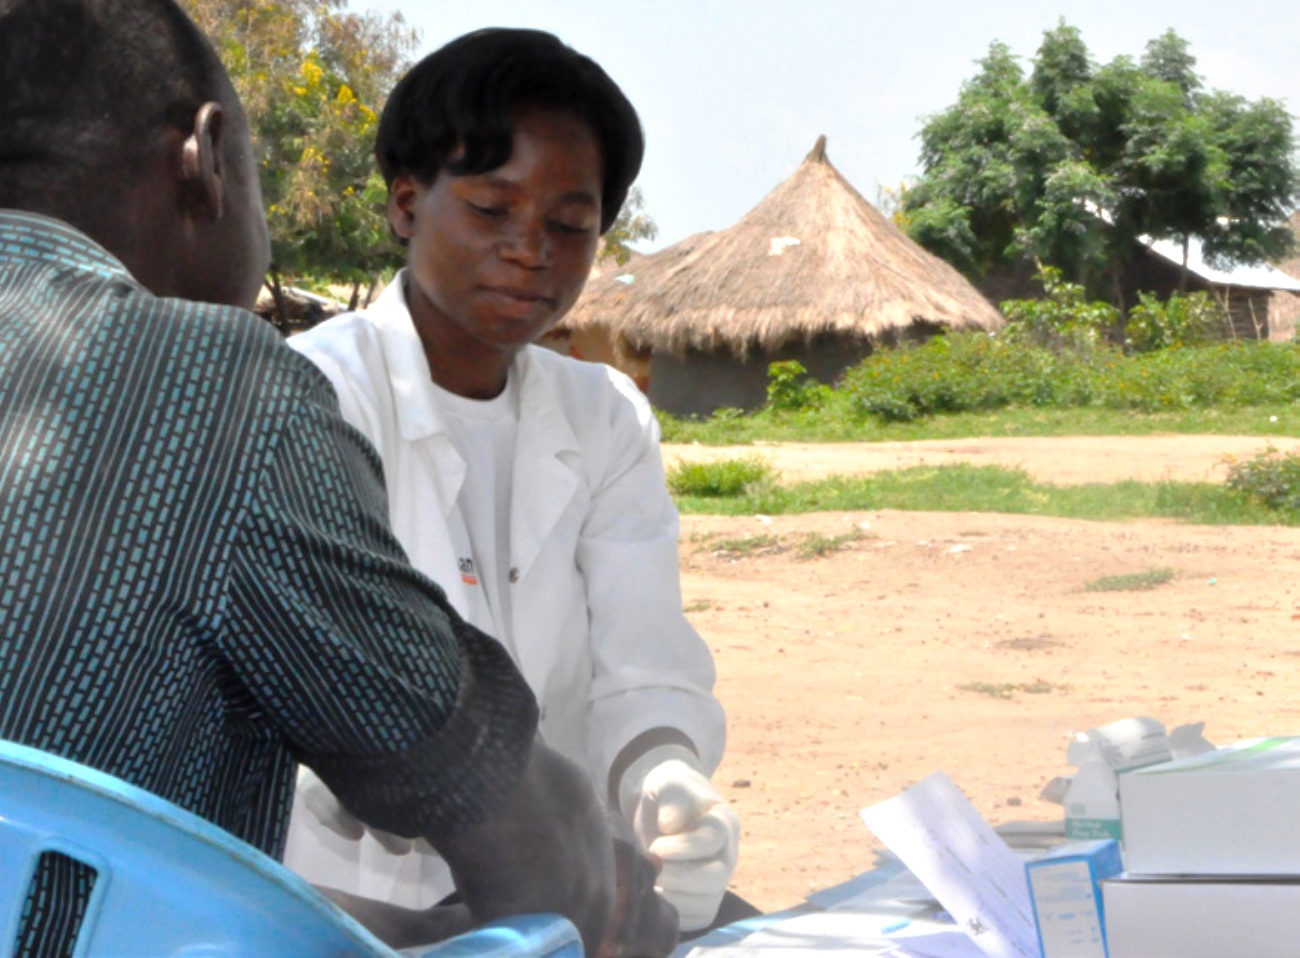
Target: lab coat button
(514,575)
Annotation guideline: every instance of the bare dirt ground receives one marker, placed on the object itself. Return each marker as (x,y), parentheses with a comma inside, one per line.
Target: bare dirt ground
(843,675)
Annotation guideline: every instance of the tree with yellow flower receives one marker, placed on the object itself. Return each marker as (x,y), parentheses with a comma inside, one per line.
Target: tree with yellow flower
(313,77)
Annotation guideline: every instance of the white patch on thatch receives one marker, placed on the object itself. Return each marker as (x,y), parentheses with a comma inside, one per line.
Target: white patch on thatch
(779,244)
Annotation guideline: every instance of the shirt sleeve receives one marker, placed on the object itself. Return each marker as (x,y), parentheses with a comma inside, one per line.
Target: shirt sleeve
(417,721)
(652,669)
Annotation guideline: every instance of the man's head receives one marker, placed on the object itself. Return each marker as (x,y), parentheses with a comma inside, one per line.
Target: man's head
(454,110)
(118,118)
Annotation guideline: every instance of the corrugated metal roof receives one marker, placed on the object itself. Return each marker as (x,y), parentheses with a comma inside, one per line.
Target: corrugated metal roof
(1253,277)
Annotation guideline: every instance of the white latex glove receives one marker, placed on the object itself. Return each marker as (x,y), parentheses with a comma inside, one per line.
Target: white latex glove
(320,801)
(683,820)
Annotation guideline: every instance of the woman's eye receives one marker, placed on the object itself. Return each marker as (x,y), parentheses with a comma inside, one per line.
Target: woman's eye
(491,212)
(569,229)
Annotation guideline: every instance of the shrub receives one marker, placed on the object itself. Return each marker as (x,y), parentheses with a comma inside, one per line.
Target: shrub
(1270,478)
(1064,320)
(722,479)
(791,389)
(968,372)
(1181,320)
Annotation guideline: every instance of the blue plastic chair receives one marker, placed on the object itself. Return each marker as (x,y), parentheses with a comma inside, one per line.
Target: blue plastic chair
(170,883)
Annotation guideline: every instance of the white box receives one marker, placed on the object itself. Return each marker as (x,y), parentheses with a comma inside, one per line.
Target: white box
(1159,917)
(1232,811)
(1066,894)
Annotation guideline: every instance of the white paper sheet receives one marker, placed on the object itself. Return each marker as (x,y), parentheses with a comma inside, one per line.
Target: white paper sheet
(970,870)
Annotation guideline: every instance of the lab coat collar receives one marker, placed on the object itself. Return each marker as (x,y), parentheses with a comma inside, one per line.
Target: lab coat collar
(408,369)
(547,454)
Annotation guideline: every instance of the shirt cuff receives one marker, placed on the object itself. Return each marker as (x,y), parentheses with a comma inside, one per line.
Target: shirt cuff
(629,786)
(454,780)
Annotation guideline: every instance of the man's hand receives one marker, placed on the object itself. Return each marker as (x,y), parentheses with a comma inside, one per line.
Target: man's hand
(644,922)
(547,849)
(686,824)
(329,811)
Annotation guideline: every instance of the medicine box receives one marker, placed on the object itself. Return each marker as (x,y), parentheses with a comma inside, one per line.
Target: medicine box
(1165,917)
(1064,886)
(1232,811)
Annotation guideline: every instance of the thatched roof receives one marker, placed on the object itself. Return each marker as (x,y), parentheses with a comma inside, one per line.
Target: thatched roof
(813,257)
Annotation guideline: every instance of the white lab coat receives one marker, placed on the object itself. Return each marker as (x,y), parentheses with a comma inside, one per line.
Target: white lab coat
(596,623)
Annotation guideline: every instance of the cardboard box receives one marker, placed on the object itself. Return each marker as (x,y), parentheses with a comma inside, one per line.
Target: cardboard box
(1159,917)
(1064,886)
(1232,811)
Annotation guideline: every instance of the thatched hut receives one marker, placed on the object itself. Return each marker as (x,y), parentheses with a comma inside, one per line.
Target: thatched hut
(813,273)
(594,343)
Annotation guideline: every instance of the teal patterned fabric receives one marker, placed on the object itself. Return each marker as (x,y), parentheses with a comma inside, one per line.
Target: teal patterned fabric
(198,587)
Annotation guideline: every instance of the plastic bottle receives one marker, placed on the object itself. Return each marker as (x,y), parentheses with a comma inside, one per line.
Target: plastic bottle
(1092,802)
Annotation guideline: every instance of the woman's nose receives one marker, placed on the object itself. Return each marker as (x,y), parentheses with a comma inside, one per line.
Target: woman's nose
(528,245)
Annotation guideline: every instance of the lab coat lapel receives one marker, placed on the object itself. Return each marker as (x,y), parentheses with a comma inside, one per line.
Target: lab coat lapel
(425,436)
(546,470)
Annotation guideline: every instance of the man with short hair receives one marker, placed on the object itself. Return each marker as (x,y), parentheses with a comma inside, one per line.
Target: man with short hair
(199,588)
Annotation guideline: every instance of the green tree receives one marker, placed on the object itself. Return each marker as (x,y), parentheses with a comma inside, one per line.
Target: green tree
(313,77)
(1068,166)
(633,224)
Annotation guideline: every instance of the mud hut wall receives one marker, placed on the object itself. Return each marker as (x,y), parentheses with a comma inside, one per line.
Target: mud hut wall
(594,344)
(1283,316)
(700,383)
(1248,311)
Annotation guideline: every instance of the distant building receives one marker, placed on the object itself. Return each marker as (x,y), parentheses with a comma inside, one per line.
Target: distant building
(813,273)
(1259,302)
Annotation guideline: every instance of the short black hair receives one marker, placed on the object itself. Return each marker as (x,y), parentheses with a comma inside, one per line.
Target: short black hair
(452,110)
(87,85)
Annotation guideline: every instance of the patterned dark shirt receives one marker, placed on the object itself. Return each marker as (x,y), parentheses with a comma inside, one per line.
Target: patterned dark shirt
(198,586)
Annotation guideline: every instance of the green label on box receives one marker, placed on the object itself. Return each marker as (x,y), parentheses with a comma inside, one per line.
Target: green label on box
(1092,828)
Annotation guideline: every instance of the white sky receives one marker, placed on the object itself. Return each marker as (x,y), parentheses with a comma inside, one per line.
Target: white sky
(733,94)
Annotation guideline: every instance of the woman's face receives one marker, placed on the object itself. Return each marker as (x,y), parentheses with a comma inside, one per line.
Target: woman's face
(496,259)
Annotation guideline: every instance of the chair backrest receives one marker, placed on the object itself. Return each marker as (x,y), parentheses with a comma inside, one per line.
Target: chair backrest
(521,936)
(168,882)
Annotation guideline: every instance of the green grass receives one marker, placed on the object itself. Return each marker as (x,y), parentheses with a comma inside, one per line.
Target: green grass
(721,479)
(828,425)
(966,488)
(747,546)
(1007,690)
(1131,582)
(817,546)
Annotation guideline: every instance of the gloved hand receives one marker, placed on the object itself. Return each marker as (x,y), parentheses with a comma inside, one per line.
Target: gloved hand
(320,801)
(683,820)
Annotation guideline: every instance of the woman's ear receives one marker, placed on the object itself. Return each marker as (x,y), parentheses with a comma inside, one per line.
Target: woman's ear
(201,167)
(403,194)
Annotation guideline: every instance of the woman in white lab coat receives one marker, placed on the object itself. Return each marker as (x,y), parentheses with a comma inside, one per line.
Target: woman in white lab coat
(529,485)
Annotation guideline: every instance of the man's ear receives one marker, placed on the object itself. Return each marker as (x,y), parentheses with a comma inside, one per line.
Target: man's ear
(403,193)
(201,167)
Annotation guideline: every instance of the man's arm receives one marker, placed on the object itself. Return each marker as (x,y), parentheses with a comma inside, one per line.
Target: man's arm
(496,879)
(418,722)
